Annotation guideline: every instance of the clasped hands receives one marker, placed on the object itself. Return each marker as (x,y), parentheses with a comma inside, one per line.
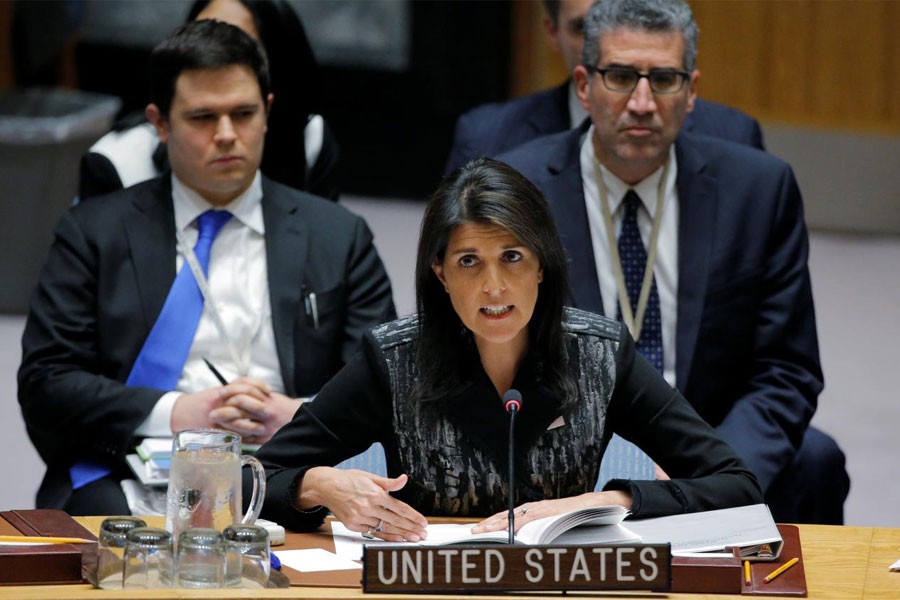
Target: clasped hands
(246,406)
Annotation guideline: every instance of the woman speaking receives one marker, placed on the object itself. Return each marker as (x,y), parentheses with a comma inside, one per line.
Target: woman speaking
(491,282)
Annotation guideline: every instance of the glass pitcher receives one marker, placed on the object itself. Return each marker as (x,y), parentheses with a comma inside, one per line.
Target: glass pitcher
(205,481)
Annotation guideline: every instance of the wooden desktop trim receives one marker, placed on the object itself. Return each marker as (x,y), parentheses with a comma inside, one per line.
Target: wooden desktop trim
(842,563)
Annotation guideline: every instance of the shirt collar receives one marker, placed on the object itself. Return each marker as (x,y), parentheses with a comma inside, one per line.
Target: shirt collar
(246,208)
(616,189)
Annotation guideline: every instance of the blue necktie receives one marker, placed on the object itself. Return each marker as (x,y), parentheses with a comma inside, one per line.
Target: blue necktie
(634,260)
(161,359)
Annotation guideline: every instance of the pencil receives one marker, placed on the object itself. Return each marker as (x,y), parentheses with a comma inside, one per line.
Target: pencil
(781,569)
(215,372)
(37,539)
(747,578)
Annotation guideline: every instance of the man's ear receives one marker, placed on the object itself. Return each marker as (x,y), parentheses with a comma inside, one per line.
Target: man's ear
(270,100)
(692,89)
(582,81)
(158,121)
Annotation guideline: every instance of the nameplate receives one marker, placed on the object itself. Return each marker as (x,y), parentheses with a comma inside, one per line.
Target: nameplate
(499,567)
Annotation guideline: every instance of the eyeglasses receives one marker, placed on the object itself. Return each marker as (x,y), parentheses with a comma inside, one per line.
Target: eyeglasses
(625,79)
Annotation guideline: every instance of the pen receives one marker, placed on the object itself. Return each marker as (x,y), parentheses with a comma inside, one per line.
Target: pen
(215,372)
(315,309)
(781,569)
(747,578)
(37,539)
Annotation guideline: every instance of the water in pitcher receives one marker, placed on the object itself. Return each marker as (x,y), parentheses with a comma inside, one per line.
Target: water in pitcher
(204,490)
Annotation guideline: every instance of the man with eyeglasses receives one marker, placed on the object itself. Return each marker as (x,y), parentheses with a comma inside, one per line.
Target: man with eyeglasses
(496,127)
(698,244)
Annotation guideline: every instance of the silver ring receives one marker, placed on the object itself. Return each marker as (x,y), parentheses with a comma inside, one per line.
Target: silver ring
(378,527)
(368,534)
(524,510)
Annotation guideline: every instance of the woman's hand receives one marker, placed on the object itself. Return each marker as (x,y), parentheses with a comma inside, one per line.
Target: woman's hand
(531,511)
(362,502)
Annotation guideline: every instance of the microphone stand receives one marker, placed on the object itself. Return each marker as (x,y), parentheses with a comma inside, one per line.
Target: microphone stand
(512,402)
(512,489)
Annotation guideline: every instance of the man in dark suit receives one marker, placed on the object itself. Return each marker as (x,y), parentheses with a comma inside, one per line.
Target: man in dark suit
(725,223)
(292,283)
(490,129)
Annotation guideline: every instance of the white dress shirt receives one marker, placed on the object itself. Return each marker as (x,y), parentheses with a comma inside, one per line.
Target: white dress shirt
(665,270)
(239,286)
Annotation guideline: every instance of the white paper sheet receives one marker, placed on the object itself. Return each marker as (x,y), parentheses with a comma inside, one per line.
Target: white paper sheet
(315,559)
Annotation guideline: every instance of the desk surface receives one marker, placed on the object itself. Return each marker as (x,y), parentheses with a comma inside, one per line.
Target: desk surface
(842,563)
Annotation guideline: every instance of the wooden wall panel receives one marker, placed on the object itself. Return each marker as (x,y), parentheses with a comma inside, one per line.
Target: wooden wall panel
(892,72)
(847,76)
(790,59)
(535,64)
(729,56)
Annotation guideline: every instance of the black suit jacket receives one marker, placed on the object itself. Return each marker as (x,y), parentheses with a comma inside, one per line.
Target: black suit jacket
(104,284)
(747,350)
(491,129)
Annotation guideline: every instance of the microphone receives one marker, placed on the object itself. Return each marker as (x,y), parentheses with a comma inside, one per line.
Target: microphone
(512,402)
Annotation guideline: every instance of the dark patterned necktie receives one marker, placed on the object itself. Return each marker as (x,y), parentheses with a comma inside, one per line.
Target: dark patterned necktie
(633,256)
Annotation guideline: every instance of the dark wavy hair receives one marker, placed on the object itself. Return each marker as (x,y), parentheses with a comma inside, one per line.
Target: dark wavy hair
(487,192)
(296,81)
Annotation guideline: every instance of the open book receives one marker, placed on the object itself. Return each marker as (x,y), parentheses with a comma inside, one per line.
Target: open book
(589,525)
(749,528)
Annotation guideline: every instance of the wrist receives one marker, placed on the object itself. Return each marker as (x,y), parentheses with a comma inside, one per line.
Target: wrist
(308,494)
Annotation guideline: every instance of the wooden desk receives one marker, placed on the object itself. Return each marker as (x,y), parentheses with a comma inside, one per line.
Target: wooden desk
(842,563)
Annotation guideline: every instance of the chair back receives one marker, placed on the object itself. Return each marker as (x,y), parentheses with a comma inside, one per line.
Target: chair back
(624,460)
(372,460)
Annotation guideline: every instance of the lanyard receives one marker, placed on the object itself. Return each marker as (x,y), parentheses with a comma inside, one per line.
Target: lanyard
(241,360)
(633,321)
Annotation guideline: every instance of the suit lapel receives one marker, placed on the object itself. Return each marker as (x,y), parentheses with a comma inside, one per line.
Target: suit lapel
(696,227)
(565,193)
(152,220)
(551,116)
(286,250)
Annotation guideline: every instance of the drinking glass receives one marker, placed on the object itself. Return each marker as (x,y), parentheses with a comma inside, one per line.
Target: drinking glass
(111,550)
(148,558)
(246,556)
(201,558)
